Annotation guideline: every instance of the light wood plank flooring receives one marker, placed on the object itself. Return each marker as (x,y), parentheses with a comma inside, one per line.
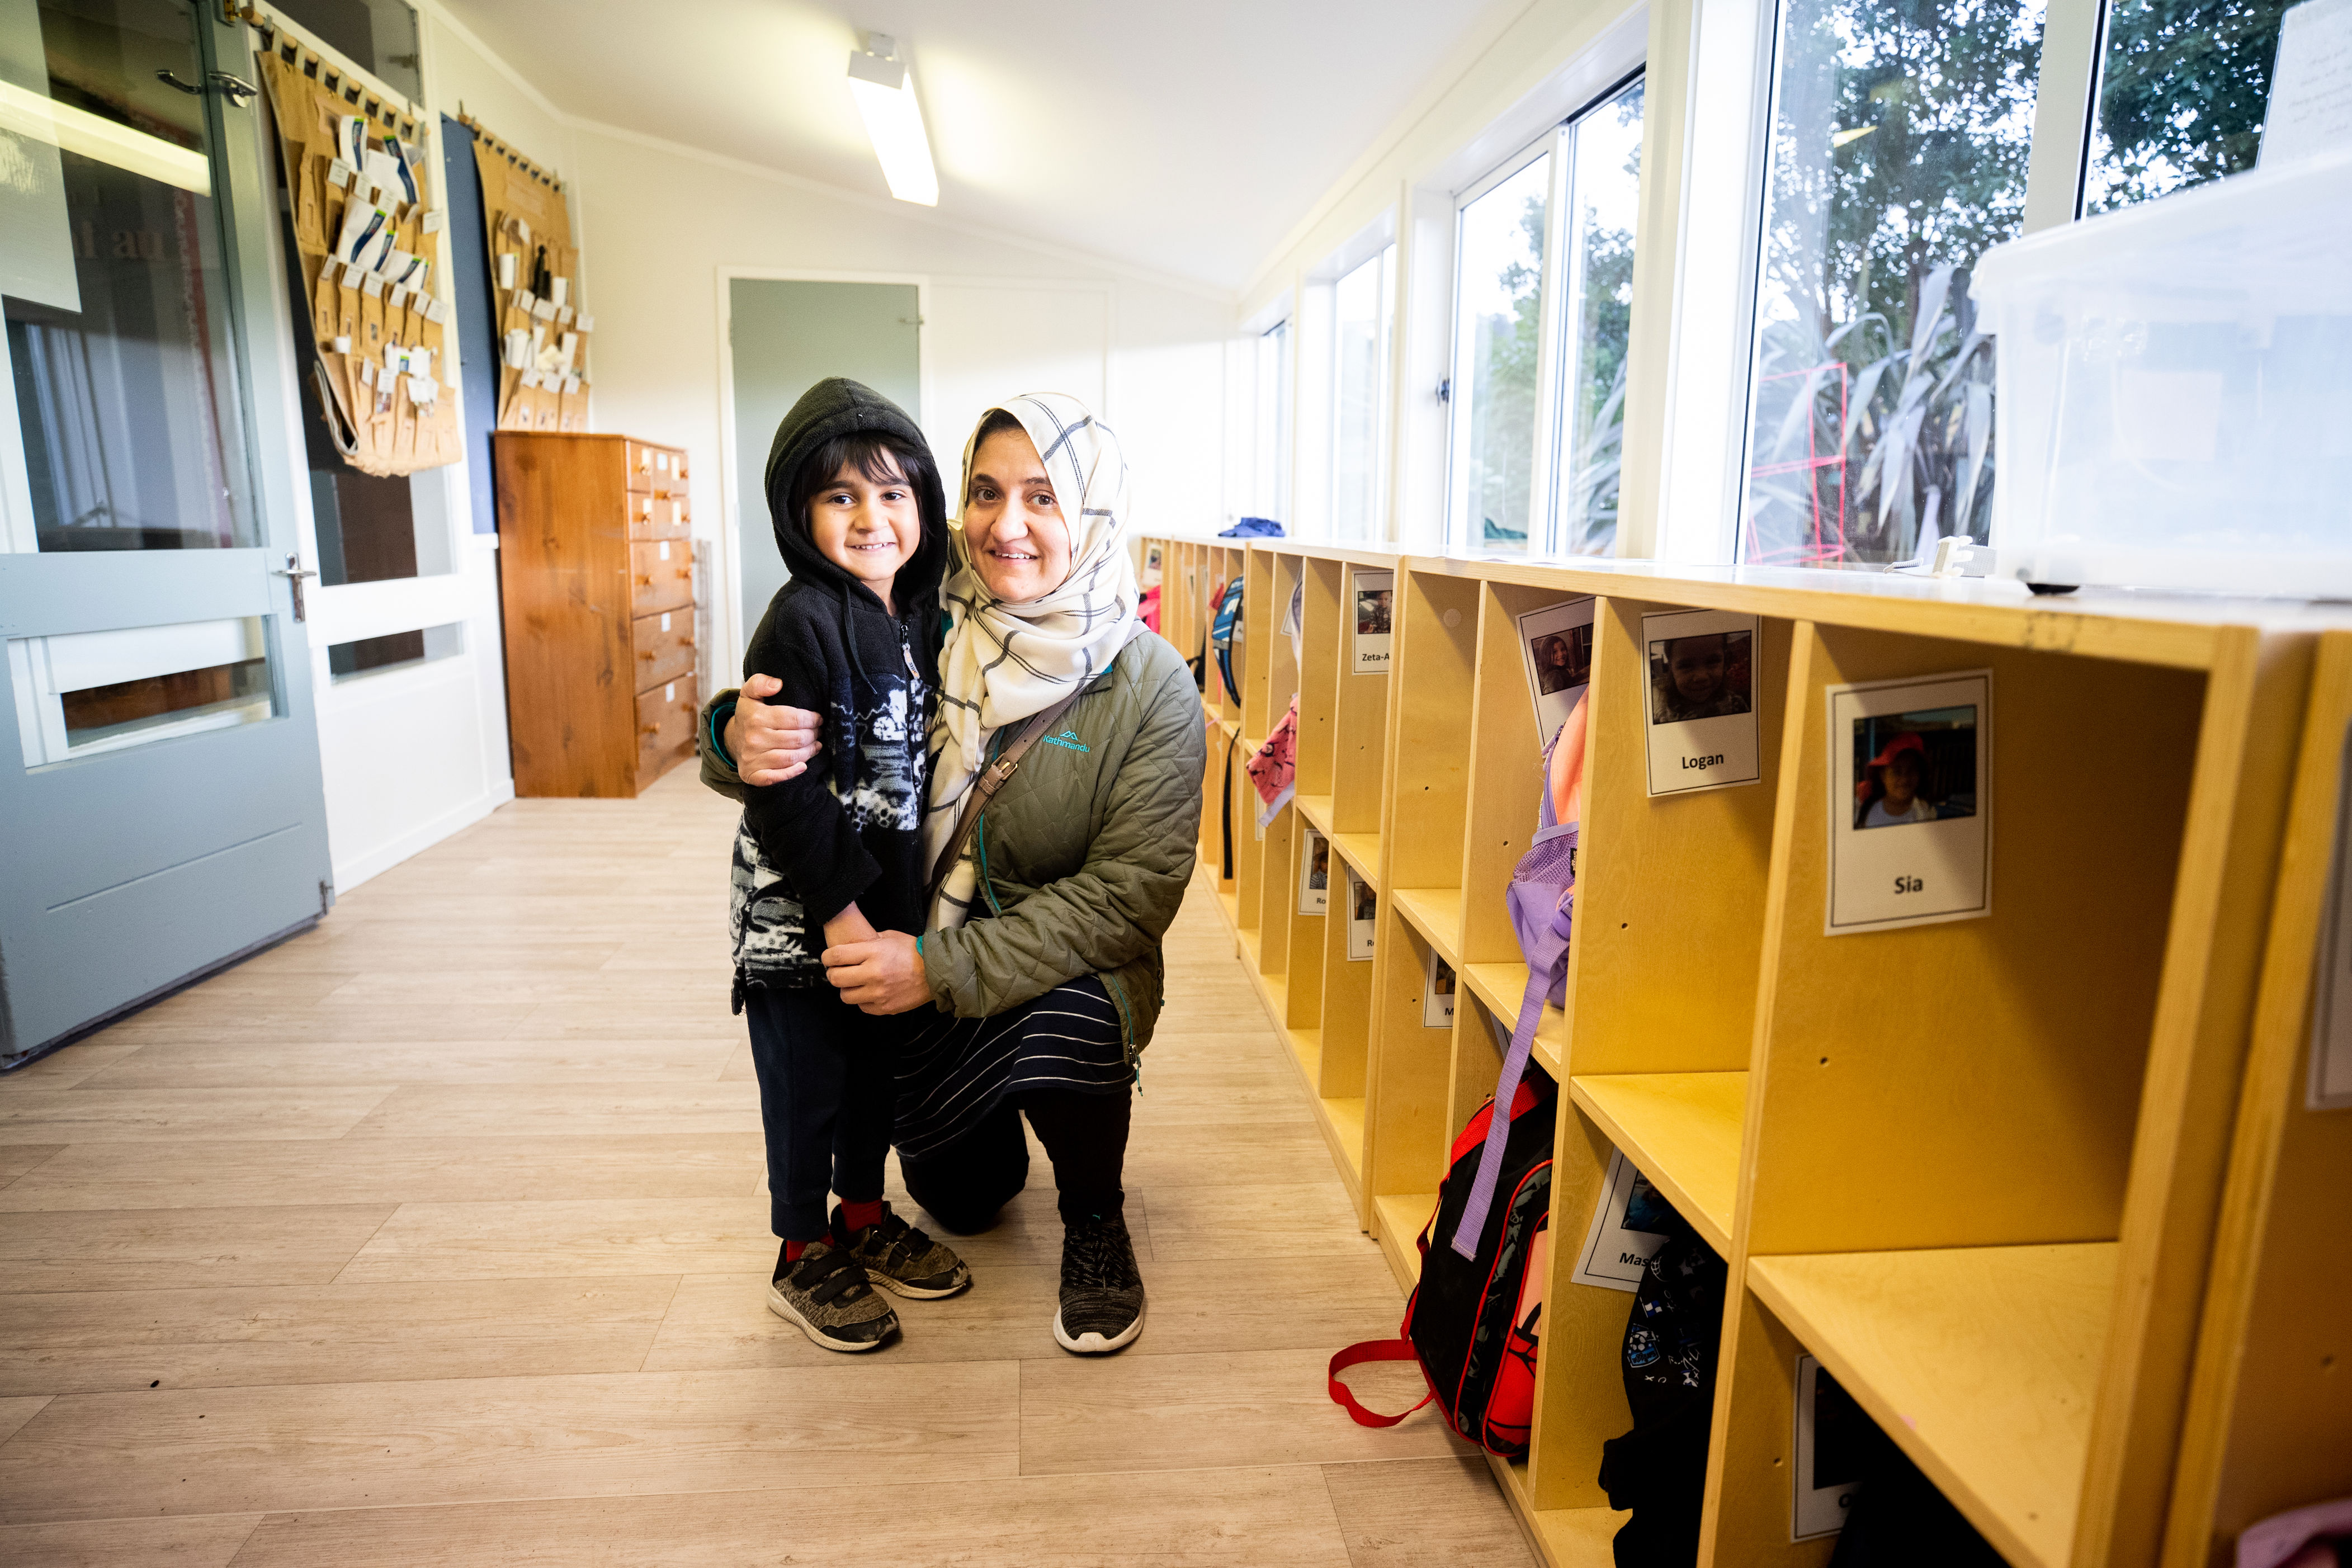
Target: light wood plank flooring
(438,1235)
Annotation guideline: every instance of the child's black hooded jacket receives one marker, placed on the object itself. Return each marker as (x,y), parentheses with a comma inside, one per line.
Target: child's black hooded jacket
(849,829)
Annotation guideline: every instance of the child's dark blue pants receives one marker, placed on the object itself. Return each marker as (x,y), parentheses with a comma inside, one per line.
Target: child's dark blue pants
(827,1073)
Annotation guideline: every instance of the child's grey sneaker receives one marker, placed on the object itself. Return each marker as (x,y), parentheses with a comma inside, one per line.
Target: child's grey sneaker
(826,1293)
(1102,1290)
(902,1259)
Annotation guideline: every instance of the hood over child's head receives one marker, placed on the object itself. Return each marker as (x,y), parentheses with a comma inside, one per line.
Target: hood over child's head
(839,423)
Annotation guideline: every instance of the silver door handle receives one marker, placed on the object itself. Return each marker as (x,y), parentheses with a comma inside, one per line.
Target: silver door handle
(294,572)
(237,89)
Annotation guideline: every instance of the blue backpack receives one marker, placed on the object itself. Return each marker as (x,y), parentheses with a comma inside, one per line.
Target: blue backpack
(1222,633)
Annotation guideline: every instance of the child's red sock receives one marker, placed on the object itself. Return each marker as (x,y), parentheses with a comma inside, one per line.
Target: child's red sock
(793,1250)
(857,1216)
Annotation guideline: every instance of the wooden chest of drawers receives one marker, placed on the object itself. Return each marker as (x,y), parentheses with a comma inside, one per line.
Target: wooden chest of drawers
(596,571)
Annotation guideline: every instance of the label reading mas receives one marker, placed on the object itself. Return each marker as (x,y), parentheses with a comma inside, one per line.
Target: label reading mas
(1699,679)
(1910,839)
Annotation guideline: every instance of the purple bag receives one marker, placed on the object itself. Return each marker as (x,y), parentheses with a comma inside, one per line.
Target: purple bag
(1542,900)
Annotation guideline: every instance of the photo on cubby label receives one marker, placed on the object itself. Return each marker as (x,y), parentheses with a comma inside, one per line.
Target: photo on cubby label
(1910,818)
(1833,1436)
(1151,566)
(1373,597)
(1363,910)
(2331,1012)
(1699,679)
(1314,872)
(1556,645)
(1437,994)
(1627,1229)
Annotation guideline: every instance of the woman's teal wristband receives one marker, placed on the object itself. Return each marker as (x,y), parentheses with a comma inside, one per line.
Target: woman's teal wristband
(720,713)
(919,944)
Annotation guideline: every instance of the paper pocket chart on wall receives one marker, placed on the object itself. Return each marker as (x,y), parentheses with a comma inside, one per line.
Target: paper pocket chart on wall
(352,155)
(543,336)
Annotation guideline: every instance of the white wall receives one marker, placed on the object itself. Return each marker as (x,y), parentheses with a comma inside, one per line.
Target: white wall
(661,225)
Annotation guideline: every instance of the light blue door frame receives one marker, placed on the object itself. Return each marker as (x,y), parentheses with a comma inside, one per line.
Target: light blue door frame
(784,335)
(125,872)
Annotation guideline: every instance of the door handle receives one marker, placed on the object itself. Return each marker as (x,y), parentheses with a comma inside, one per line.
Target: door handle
(294,572)
(168,80)
(237,89)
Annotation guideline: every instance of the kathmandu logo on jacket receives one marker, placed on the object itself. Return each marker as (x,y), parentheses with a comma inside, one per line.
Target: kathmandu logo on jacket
(1069,740)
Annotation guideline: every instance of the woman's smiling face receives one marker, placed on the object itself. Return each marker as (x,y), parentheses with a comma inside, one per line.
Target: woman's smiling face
(1013,521)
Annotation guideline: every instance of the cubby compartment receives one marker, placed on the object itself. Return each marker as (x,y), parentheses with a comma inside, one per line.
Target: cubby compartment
(2269,1421)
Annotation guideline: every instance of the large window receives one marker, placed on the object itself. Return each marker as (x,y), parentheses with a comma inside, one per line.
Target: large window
(1898,153)
(1361,311)
(1543,297)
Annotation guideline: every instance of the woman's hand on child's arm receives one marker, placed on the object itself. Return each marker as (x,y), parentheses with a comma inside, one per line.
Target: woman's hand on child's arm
(883,975)
(849,925)
(770,741)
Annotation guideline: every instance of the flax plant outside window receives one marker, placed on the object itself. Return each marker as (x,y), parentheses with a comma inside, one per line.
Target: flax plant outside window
(1900,135)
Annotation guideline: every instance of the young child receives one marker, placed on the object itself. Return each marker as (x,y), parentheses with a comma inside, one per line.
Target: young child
(834,855)
(1696,683)
(1890,793)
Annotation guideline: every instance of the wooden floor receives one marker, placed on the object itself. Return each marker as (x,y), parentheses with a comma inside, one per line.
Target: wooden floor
(438,1235)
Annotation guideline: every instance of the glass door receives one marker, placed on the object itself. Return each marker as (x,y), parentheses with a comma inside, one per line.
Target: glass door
(162,810)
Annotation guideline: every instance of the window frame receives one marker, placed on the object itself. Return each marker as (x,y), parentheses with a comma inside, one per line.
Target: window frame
(1374,527)
(1544,524)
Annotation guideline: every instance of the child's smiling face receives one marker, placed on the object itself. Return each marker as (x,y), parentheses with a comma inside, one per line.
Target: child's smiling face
(1901,775)
(867,527)
(1696,664)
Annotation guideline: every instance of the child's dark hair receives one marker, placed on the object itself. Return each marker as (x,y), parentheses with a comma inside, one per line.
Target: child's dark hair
(880,457)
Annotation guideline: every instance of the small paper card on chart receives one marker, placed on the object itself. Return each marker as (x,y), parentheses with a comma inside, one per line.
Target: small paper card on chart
(1314,872)
(1363,910)
(1910,819)
(1437,994)
(1699,676)
(1831,1432)
(2331,1002)
(1556,645)
(1626,1232)
(1374,596)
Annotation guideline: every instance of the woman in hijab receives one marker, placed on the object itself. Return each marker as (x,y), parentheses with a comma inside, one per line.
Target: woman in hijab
(1043,953)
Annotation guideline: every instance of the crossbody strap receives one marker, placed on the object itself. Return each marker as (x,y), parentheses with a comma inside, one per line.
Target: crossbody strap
(992,779)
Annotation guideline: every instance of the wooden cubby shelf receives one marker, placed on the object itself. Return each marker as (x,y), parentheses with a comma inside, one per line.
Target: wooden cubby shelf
(2028,1185)
(1982,1362)
(1681,1131)
(1436,914)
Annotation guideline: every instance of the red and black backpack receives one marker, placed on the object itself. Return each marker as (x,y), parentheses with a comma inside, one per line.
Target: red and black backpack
(1473,1321)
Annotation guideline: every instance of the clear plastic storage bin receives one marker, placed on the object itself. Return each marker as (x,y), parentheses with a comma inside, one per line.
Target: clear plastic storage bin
(2175,390)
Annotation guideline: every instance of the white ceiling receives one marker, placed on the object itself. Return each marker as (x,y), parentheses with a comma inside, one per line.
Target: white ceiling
(1187,139)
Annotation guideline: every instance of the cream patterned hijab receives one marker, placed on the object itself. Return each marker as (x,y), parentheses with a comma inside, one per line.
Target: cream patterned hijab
(1006,662)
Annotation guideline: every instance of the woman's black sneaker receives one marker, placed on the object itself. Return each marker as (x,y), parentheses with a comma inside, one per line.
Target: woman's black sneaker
(826,1293)
(902,1259)
(1102,1290)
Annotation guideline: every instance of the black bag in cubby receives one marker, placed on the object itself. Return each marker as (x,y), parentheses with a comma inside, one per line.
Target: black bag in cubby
(1672,1344)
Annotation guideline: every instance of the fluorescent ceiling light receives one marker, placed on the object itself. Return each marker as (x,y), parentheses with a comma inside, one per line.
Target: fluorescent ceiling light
(78,131)
(884,90)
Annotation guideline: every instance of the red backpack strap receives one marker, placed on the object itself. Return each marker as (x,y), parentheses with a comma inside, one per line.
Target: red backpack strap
(1357,1355)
